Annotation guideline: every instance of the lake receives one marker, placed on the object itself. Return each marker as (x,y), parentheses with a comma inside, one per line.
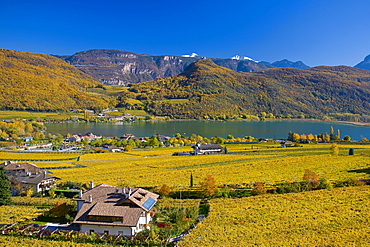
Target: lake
(267,129)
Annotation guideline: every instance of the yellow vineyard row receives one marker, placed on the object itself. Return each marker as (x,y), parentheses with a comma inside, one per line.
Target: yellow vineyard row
(13,214)
(38,201)
(337,217)
(36,156)
(12,241)
(246,168)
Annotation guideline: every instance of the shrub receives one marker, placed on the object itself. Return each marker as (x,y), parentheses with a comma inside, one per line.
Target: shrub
(349,182)
(208,187)
(164,190)
(334,149)
(294,187)
(258,189)
(324,184)
(311,180)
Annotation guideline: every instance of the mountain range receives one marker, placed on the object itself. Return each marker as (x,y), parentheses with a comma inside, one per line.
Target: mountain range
(206,90)
(364,64)
(114,67)
(30,81)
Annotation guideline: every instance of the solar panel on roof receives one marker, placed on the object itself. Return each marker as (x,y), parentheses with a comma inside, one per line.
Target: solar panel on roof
(148,204)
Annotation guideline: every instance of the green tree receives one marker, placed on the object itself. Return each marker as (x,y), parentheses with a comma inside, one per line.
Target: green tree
(51,192)
(326,137)
(5,193)
(230,137)
(153,142)
(347,138)
(218,140)
(59,209)
(290,136)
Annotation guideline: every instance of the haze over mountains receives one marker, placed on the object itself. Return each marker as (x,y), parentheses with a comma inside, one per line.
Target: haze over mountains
(114,67)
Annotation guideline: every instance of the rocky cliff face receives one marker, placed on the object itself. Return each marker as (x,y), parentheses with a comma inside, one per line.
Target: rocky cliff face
(114,67)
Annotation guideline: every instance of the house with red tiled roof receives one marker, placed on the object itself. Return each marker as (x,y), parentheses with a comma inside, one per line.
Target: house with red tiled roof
(114,210)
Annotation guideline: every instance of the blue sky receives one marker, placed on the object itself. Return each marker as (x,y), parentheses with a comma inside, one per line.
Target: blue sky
(317,32)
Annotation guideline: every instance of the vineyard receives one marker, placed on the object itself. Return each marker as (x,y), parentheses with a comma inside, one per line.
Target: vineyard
(12,241)
(329,217)
(38,156)
(40,201)
(13,214)
(54,165)
(243,164)
(337,217)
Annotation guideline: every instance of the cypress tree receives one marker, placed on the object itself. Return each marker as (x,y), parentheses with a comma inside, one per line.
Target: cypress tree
(331,130)
(5,193)
(191,180)
(338,134)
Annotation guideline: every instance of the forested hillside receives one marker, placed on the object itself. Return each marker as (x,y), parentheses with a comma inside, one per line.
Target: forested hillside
(114,67)
(30,81)
(205,90)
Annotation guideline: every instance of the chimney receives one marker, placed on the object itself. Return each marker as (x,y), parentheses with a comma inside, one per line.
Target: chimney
(91,185)
(129,192)
(90,199)
(123,191)
(80,194)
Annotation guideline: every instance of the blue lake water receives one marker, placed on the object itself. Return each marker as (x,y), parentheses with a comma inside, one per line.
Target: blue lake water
(267,129)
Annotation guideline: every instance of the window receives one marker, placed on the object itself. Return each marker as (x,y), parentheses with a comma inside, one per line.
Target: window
(91,231)
(106,232)
(120,232)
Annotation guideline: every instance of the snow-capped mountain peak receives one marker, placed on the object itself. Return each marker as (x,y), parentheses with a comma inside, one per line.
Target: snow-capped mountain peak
(237,57)
(191,55)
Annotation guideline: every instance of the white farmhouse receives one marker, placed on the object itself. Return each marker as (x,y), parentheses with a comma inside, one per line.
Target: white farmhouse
(114,210)
(24,176)
(207,148)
